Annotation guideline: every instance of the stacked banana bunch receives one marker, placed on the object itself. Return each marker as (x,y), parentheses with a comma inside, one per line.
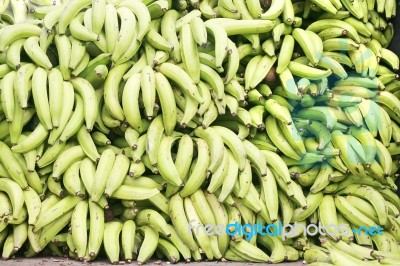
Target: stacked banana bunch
(127,126)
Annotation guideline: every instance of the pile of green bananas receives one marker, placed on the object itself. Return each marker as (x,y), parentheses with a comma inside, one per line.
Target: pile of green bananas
(126,125)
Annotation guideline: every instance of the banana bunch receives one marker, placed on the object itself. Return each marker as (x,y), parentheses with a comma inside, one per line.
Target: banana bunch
(161,118)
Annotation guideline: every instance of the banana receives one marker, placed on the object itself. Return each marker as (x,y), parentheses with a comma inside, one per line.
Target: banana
(55,187)
(234,143)
(70,11)
(328,216)
(32,141)
(66,158)
(308,72)
(217,177)
(288,85)
(182,79)
(153,219)
(15,194)
(96,222)
(126,35)
(81,30)
(277,137)
(313,201)
(189,53)
(20,233)
(184,156)
(7,96)
(351,213)
(200,169)
(220,39)
(78,228)
(55,83)
(348,153)
(343,44)
(112,231)
(99,9)
(103,171)
(366,139)
(119,170)
(64,47)
(383,157)
(154,135)
(180,222)
(390,58)
(168,31)
(354,114)
(142,14)
(83,63)
(284,58)
(31,47)
(307,44)
(148,88)
(210,76)
(160,57)
(167,101)
(249,251)
(165,164)
(33,205)
(97,77)
(274,11)
(8,246)
(216,145)
(21,84)
(128,192)
(40,97)
(14,32)
(87,143)
(86,91)
(130,101)
(195,222)
(322,179)
(12,166)
(72,180)
(75,122)
(149,244)
(111,91)
(168,250)
(56,211)
(13,55)
(250,69)
(364,207)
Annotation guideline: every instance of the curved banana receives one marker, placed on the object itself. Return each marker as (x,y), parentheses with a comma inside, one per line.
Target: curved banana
(180,77)
(189,53)
(86,91)
(111,100)
(64,49)
(56,211)
(148,88)
(96,225)
(112,231)
(165,164)
(70,11)
(125,35)
(79,229)
(33,50)
(167,101)
(14,32)
(7,97)
(154,135)
(200,169)
(149,244)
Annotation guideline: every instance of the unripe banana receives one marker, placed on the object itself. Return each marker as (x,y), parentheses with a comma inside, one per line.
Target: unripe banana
(112,231)
(78,228)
